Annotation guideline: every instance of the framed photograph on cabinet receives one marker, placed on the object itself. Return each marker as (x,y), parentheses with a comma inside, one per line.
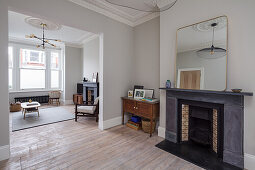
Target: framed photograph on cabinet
(130,93)
(149,93)
(139,93)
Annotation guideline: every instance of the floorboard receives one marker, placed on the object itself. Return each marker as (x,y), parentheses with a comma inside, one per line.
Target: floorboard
(81,145)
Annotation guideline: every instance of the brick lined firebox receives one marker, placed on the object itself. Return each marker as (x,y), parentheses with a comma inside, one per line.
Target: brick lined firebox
(207,118)
(200,122)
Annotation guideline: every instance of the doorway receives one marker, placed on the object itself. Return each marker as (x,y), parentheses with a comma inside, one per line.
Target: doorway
(190,78)
(67,76)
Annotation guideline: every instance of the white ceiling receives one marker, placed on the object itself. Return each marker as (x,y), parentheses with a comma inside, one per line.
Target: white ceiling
(125,15)
(18,28)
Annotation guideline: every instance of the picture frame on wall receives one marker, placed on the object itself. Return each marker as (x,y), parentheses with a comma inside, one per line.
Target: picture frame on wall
(130,93)
(139,93)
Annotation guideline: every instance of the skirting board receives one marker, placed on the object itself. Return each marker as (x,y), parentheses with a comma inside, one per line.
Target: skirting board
(249,161)
(67,102)
(113,122)
(161,132)
(4,152)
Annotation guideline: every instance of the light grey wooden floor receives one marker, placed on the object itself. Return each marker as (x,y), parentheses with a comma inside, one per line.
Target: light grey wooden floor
(81,145)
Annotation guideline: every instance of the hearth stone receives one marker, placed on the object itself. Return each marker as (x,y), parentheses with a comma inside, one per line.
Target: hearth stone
(195,154)
(229,104)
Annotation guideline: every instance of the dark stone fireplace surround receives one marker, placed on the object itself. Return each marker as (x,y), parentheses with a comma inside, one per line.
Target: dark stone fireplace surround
(233,110)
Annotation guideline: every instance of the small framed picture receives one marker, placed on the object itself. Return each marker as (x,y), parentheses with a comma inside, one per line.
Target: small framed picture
(149,93)
(130,93)
(137,87)
(139,94)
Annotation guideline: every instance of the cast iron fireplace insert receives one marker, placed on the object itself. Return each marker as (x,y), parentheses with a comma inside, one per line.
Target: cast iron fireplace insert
(199,121)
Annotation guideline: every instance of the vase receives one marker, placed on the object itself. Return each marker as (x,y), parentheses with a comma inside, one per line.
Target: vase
(168,84)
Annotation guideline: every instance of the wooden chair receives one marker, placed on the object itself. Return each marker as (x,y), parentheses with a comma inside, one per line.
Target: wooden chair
(54,96)
(87,109)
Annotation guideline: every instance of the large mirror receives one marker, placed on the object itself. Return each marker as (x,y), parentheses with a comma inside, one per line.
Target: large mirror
(201,59)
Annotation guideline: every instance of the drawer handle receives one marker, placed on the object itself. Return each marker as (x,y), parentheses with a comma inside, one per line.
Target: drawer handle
(134,107)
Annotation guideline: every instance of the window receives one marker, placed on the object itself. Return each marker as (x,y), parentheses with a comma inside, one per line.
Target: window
(55,67)
(34,69)
(32,59)
(10,58)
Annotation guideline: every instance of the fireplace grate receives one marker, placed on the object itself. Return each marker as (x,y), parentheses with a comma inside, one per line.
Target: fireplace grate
(201,136)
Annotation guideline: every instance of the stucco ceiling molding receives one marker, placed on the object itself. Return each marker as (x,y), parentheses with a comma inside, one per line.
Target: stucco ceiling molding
(121,14)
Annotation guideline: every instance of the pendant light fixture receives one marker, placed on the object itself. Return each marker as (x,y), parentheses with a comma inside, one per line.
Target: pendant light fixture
(212,52)
(143,5)
(45,41)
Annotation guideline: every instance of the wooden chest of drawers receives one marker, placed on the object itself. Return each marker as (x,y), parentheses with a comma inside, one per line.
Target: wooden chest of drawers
(149,110)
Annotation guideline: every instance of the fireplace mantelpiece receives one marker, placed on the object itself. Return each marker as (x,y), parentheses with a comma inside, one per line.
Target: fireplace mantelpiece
(233,118)
(209,92)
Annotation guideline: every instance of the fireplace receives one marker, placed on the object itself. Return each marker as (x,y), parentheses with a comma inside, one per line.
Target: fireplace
(205,125)
(200,123)
(199,128)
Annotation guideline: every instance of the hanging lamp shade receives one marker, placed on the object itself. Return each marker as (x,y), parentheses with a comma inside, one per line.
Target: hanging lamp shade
(142,5)
(212,52)
(208,53)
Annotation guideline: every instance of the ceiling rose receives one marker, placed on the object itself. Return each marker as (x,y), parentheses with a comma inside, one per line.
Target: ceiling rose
(206,26)
(44,25)
(36,22)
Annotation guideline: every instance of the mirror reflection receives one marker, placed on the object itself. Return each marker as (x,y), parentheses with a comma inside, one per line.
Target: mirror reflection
(201,59)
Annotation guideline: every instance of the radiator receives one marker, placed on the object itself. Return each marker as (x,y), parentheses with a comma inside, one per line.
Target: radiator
(40,99)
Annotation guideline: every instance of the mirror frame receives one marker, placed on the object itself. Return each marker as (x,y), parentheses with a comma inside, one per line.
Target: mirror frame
(176,48)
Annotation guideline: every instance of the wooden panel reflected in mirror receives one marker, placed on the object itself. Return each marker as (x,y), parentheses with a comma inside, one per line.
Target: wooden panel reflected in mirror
(190,79)
(201,57)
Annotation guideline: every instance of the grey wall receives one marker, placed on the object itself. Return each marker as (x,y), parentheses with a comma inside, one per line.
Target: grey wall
(91,58)
(240,44)
(4,112)
(146,65)
(73,70)
(214,69)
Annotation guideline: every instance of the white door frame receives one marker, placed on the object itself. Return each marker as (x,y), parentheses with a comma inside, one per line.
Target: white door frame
(201,69)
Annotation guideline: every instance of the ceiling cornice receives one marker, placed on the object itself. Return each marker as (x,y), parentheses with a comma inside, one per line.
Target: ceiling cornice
(102,11)
(116,14)
(75,45)
(146,18)
(90,38)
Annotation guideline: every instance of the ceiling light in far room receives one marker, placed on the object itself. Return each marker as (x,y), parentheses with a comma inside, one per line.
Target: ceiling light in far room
(44,25)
